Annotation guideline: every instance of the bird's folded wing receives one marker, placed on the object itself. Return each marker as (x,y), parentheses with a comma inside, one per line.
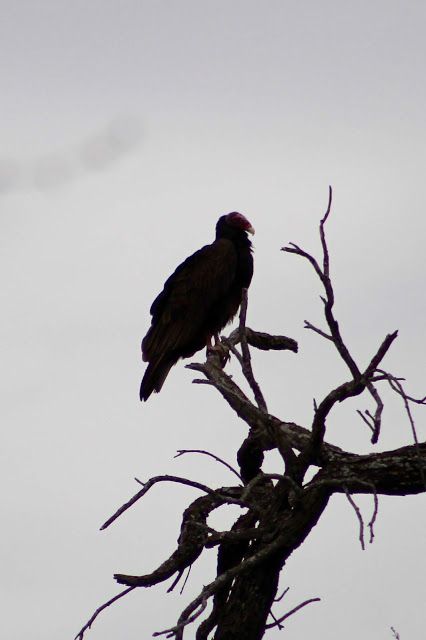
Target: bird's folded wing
(188,295)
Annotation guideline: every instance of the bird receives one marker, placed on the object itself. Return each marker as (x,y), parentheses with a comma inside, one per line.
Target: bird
(198,300)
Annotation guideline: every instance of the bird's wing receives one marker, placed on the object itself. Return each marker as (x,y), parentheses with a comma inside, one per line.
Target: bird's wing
(181,308)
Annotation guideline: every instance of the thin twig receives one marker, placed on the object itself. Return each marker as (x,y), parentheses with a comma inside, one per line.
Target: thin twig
(181,452)
(147,486)
(377,418)
(326,270)
(366,418)
(174,631)
(358,515)
(279,598)
(344,391)
(294,248)
(309,325)
(246,364)
(186,579)
(89,623)
(291,612)
(394,379)
(374,516)
(397,386)
(386,378)
(380,354)
(360,381)
(175,581)
(328,300)
(276,621)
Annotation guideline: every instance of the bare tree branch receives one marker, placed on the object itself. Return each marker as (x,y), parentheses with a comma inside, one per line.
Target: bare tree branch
(99,610)
(358,515)
(193,538)
(394,473)
(380,354)
(326,270)
(284,593)
(147,486)
(268,342)
(246,565)
(374,516)
(397,386)
(280,509)
(291,612)
(324,276)
(309,325)
(177,630)
(181,452)
(246,363)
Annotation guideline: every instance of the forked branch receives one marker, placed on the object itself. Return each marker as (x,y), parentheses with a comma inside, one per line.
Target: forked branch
(360,381)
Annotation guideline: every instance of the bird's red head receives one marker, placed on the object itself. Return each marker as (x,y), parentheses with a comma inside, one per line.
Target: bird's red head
(239,221)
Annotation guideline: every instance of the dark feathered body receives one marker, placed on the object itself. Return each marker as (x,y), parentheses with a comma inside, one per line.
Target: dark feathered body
(198,300)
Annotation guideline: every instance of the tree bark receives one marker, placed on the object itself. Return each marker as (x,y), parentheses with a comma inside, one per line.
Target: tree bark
(251,597)
(245,613)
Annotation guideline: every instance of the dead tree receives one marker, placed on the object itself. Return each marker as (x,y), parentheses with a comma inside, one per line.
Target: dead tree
(280,509)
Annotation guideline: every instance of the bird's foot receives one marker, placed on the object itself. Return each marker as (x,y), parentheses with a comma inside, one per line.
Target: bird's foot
(218,351)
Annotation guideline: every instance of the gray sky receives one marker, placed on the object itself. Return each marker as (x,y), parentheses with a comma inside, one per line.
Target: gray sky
(127,129)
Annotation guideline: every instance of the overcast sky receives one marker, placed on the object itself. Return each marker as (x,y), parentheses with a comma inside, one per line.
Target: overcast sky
(127,129)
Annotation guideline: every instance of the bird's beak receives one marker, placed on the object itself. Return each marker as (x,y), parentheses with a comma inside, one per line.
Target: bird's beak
(250,230)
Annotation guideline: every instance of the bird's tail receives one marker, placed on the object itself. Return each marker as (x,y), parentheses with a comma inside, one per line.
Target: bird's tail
(154,377)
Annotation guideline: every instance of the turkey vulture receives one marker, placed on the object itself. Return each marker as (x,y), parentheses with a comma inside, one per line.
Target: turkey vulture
(198,300)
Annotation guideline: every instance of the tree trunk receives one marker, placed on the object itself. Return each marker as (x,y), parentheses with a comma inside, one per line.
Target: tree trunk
(250,601)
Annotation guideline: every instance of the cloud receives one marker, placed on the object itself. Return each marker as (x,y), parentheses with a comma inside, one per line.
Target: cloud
(56,168)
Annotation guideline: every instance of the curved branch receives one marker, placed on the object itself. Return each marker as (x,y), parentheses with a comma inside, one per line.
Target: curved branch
(181,452)
(193,537)
(99,610)
(147,486)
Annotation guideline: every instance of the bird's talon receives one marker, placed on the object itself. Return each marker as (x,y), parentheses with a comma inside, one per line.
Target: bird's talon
(220,351)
